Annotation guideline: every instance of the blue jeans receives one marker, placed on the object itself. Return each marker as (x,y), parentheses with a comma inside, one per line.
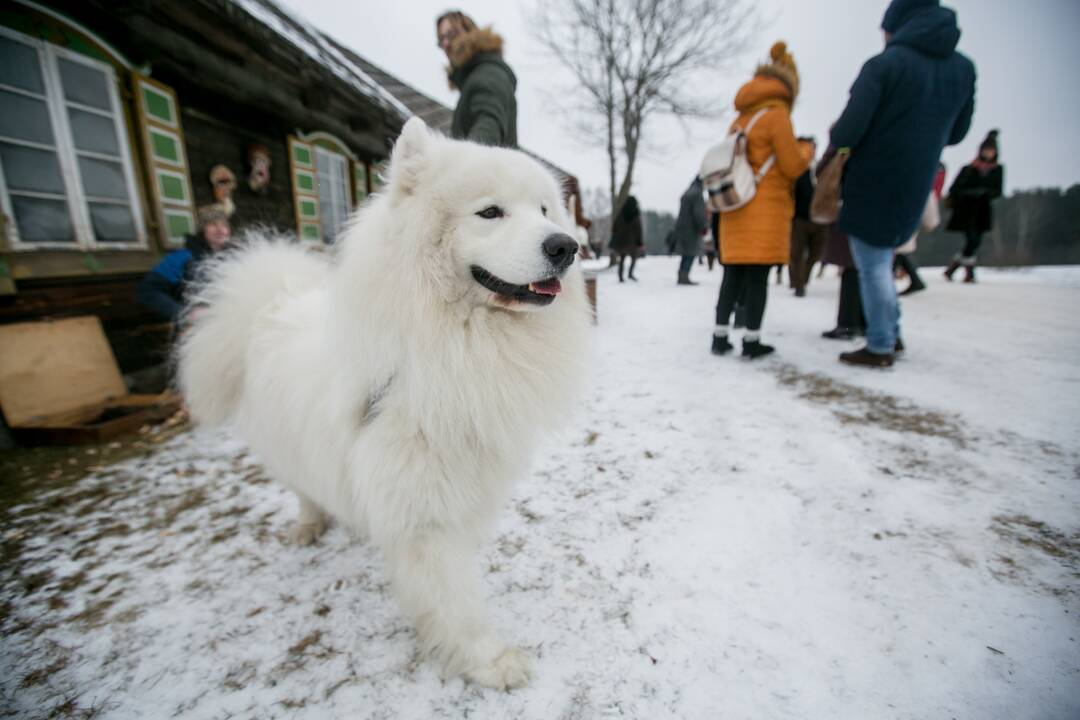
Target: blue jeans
(877,290)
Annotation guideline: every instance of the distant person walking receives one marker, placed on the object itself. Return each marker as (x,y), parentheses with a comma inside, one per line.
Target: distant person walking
(690,226)
(486,112)
(627,239)
(970,197)
(908,103)
(757,236)
(807,236)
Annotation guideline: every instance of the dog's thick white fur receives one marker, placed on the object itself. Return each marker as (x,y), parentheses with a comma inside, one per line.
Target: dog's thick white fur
(390,389)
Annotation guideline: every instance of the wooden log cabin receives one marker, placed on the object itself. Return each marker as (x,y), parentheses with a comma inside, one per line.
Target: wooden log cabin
(114,113)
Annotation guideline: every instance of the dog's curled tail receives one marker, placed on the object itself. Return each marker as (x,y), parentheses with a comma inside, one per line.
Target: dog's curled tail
(223,306)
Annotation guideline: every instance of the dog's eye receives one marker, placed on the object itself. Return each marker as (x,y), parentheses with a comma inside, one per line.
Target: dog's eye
(491,212)
(543,209)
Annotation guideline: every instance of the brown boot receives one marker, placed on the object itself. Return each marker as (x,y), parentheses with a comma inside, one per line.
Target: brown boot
(953,267)
(969,273)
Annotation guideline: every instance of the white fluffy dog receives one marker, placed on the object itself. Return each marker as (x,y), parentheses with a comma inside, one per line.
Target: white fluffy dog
(399,384)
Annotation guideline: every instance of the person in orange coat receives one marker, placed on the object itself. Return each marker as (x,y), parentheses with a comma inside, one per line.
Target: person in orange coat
(758,235)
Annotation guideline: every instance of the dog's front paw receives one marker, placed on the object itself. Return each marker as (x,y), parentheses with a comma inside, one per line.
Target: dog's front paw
(306,533)
(509,669)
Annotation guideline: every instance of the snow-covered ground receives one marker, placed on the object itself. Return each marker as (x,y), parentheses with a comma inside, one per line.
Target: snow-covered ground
(709,538)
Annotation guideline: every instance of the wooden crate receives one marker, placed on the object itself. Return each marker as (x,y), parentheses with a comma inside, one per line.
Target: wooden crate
(60,385)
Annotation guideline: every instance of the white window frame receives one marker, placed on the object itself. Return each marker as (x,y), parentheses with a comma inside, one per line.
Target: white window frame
(67,156)
(344,200)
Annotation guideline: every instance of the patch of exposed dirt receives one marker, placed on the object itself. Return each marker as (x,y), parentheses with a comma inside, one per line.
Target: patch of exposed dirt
(856,405)
(1036,534)
(1043,543)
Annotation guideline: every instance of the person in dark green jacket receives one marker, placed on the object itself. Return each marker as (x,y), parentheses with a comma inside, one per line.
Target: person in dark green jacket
(487,110)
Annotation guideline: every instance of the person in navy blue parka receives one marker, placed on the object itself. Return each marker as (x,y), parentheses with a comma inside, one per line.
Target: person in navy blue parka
(907,104)
(162,290)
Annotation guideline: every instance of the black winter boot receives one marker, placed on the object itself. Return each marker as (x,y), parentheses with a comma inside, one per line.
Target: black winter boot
(754,349)
(953,267)
(840,333)
(684,279)
(720,345)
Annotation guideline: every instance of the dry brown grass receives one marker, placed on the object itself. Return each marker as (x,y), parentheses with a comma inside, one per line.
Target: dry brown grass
(856,405)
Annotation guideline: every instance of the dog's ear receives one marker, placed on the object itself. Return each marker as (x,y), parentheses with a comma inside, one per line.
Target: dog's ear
(409,156)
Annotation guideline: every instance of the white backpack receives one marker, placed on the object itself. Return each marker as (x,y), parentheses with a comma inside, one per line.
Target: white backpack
(738,181)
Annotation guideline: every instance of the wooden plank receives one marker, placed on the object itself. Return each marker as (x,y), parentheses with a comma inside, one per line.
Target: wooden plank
(56,372)
(101,431)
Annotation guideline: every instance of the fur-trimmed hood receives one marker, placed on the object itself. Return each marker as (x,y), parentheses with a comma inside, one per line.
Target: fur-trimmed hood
(465,48)
(785,75)
(763,91)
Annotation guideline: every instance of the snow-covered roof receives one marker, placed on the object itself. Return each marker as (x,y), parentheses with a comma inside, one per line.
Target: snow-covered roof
(318,46)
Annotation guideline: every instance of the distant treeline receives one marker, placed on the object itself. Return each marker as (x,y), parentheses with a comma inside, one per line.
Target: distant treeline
(1031,227)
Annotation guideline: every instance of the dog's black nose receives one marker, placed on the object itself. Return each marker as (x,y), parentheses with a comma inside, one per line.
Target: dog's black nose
(560,249)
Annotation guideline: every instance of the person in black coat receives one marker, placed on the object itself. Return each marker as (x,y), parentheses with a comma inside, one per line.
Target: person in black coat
(162,290)
(908,103)
(689,228)
(970,196)
(807,236)
(627,239)
(850,321)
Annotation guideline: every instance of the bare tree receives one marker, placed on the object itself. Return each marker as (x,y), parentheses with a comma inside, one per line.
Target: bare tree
(635,59)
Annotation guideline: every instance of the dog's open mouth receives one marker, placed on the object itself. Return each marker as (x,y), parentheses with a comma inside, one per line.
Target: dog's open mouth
(540,292)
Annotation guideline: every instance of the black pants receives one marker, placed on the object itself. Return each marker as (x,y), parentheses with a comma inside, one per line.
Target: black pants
(910,268)
(743,282)
(850,315)
(972,240)
(686,264)
(633,262)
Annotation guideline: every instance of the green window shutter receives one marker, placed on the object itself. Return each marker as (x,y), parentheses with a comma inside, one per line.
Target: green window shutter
(305,189)
(171,188)
(302,155)
(159,103)
(378,175)
(166,160)
(179,224)
(360,189)
(165,147)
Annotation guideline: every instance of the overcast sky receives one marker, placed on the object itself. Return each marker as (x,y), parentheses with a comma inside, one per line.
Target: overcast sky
(1026,54)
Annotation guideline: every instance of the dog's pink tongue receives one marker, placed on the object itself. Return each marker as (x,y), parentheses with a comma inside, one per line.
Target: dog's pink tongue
(547,287)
